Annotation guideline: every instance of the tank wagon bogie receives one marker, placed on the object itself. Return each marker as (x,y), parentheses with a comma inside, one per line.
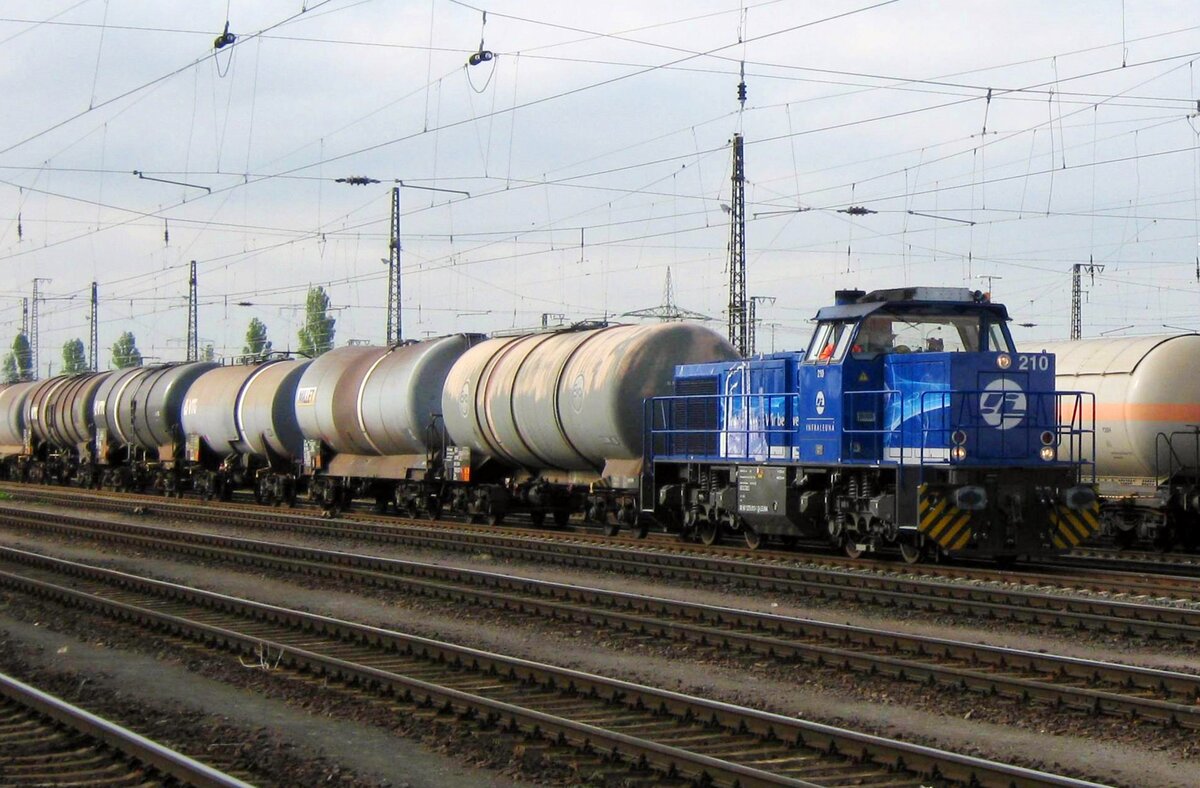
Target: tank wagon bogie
(1147,393)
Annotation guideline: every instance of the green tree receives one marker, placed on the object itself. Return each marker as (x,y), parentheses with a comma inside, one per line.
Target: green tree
(74,357)
(18,365)
(125,353)
(316,335)
(257,343)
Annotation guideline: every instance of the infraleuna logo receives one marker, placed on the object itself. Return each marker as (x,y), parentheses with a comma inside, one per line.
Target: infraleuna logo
(1002,404)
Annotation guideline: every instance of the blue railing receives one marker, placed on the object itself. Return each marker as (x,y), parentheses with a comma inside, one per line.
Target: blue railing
(766,427)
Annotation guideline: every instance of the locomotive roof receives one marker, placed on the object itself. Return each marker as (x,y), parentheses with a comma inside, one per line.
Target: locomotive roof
(893,302)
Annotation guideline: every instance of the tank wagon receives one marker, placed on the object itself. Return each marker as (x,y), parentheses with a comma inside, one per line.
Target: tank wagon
(240,428)
(551,423)
(911,422)
(1147,393)
(370,422)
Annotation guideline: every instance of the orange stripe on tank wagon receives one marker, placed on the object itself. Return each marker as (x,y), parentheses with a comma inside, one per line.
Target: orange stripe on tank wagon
(1188,412)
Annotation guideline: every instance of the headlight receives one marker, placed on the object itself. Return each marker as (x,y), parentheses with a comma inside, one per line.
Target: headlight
(1004,361)
(958,453)
(1047,453)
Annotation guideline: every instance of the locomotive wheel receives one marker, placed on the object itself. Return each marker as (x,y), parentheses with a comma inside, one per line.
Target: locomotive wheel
(709,531)
(851,548)
(612,526)
(753,538)
(911,553)
(561,518)
(537,518)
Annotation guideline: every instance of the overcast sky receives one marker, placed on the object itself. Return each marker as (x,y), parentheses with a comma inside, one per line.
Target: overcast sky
(594,153)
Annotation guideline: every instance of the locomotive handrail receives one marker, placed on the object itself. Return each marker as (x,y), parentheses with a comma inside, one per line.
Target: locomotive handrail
(749,426)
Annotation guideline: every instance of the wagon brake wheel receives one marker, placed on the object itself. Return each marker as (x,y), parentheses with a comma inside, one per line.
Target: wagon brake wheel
(708,530)
(753,538)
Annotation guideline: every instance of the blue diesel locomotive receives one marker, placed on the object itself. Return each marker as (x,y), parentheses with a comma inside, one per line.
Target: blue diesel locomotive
(911,423)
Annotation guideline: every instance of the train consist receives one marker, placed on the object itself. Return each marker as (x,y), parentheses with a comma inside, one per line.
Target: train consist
(1147,392)
(910,423)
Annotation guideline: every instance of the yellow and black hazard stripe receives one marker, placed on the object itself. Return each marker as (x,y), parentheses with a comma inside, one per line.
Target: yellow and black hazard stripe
(1072,526)
(942,521)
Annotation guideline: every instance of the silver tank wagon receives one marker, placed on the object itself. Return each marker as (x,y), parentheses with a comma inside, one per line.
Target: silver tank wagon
(149,404)
(569,401)
(1147,393)
(247,410)
(13,415)
(62,413)
(1143,386)
(377,401)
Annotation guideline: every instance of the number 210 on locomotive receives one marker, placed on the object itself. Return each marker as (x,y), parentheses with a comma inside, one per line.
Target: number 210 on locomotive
(910,424)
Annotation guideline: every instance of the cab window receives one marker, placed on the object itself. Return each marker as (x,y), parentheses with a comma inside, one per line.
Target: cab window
(883,333)
(998,341)
(829,342)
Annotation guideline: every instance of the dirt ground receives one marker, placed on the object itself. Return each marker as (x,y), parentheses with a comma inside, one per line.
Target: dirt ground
(1102,749)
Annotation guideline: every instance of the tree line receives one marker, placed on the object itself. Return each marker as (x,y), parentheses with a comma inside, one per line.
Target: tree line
(315,335)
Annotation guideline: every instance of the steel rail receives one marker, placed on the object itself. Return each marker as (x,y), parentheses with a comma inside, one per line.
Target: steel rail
(1130,580)
(1107,687)
(96,751)
(706,738)
(1178,624)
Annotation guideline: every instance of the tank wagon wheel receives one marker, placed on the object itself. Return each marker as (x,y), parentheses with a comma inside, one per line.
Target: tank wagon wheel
(851,548)
(709,531)
(537,518)
(753,538)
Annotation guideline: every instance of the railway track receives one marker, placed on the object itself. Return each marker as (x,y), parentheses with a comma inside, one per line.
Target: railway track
(1081,685)
(645,730)
(45,741)
(1066,575)
(982,601)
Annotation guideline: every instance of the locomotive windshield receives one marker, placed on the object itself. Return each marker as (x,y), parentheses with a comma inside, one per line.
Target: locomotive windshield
(912,332)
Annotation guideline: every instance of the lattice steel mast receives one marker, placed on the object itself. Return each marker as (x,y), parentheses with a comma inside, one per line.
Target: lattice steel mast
(1077,269)
(94,340)
(393,309)
(739,334)
(193,329)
